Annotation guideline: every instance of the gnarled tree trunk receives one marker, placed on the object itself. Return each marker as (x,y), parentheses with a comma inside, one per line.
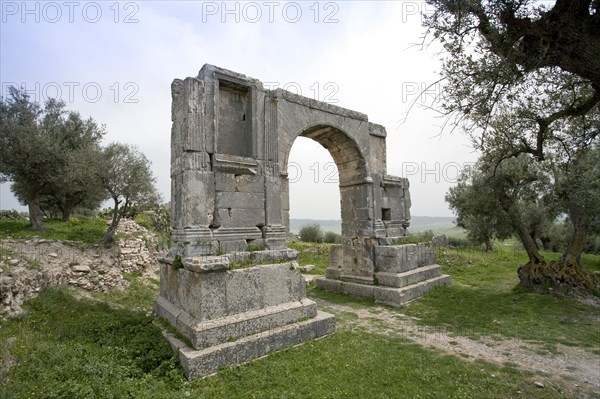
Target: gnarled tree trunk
(112,229)
(35,215)
(116,218)
(566,273)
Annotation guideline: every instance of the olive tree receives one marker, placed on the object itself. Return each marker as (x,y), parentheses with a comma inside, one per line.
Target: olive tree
(42,151)
(523,80)
(124,172)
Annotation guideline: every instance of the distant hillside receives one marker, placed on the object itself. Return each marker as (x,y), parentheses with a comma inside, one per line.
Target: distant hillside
(439,224)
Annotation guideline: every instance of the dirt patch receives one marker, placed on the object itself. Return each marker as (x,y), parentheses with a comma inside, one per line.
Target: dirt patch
(578,369)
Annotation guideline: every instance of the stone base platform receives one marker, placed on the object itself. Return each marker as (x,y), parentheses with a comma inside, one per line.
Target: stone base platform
(392,296)
(400,273)
(203,362)
(232,315)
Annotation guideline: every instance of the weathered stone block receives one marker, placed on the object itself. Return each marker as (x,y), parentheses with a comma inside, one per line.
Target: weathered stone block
(240,200)
(198,363)
(402,258)
(208,296)
(206,263)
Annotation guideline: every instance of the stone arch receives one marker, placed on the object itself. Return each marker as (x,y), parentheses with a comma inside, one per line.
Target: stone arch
(345,152)
(230,143)
(231,140)
(351,165)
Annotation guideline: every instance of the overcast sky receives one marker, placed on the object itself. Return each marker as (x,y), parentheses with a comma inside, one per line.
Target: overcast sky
(115,61)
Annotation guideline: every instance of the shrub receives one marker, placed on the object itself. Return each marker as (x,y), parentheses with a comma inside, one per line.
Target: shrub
(593,245)
(256,247)
(143,220)
(12,215)
(425,236)
(332,238)
(311,233)
(160,215)
(456,242)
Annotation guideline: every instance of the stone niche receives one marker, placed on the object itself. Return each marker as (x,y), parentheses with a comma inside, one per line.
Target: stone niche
(230,143)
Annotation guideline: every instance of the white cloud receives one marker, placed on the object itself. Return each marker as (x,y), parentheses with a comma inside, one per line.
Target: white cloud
(366,57)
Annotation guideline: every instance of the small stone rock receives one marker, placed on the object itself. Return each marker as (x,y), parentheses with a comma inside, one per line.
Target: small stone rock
(13,262)
(6,281)
(81,269)
(53,254)
(207,264)
(538,384)
(306,268)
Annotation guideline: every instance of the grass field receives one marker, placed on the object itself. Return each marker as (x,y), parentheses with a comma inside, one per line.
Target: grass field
(74,346)
(78,229)
(78,348)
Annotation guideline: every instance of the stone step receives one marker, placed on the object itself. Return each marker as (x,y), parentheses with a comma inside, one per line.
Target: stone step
(203,362)
(204,334)
(400,296)
(410,277)
(392,296)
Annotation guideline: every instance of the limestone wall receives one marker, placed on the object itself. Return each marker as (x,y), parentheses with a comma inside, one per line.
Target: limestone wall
(29,266)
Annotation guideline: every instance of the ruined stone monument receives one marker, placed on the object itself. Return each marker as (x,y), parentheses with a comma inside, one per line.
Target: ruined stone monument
(230,143)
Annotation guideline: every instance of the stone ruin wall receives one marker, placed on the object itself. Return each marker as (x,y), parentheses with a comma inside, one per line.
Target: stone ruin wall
(231,139)
(29,266)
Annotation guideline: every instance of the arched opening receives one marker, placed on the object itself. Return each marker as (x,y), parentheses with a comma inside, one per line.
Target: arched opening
(313,186)
(353,196)
(344,151)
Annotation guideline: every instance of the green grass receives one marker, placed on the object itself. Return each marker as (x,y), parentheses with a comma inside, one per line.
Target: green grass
(78,229)
(137,297)
(419,238)
(108,347)
(312,254)
(65,347)
(485,298)
(355,302)
(72,348)
(256,247)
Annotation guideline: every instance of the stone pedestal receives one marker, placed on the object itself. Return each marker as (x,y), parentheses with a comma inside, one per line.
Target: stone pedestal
(402,273)
(233,316)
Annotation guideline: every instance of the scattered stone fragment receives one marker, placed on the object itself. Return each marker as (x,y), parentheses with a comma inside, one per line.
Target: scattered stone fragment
(93,269)
(81,269)
(306,268)
(538,384)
